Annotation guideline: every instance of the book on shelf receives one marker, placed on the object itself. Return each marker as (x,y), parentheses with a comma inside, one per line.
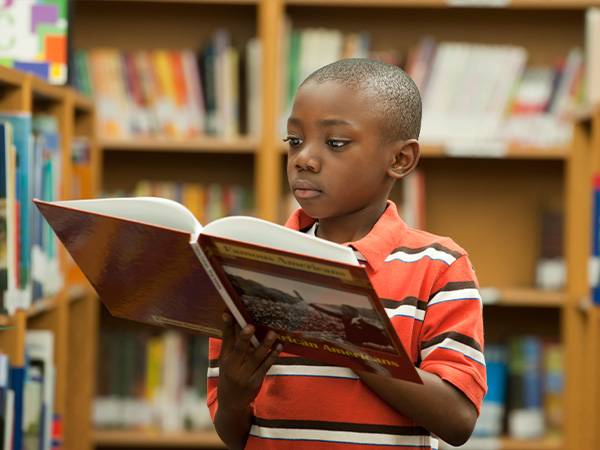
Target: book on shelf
(525,397)
(594,260)
(592,55)
(45,180)
(17,380)
(150,260)
(6,404)
(551,272)
(490,422)
(9,281)
(41,376)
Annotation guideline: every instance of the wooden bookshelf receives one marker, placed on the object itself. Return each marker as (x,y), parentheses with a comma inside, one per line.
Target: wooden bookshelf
(21,92)
(156,439)
(515,444)
(242,145)
(442,4)
(489,205)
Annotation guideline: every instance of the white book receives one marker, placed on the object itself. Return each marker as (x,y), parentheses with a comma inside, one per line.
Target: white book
(254,87)
(592,55)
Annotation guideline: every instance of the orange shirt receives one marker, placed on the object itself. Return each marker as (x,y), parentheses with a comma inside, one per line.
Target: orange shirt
(430,292)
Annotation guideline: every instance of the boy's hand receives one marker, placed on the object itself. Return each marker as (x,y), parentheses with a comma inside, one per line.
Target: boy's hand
(242,370)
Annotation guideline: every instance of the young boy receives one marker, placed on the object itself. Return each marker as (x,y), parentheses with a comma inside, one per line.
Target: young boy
(352,133)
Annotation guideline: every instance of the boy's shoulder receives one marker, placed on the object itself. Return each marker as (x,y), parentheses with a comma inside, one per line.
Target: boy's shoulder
(395,233)
(415,238)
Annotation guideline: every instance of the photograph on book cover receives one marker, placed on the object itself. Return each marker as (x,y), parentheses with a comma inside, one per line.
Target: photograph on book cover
(318,311)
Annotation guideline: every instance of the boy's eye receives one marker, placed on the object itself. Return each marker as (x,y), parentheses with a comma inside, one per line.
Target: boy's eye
(336,144)
(292,141)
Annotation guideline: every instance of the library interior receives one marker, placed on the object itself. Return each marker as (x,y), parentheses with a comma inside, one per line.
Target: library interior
(188,100)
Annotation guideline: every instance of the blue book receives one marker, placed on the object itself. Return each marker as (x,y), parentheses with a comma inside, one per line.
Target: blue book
(17,384)
(493,407)
(21,123)
(46,163)
(595,268)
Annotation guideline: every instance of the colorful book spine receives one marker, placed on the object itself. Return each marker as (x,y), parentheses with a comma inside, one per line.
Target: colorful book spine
(21,125)
(493,409)
(594,262)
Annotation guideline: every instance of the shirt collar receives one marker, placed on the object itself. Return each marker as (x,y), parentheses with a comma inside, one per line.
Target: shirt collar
(377,245)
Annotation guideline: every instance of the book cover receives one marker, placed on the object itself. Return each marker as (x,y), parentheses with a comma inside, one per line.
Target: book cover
(320,309)
(151,261)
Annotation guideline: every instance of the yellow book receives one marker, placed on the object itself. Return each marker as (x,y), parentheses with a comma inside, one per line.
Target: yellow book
(155,354)
(167,98)
(193,198)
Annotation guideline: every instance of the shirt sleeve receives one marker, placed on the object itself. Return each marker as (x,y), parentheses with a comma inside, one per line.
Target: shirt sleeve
(452,333)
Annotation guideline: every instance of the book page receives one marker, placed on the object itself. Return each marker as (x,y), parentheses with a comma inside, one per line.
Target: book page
(157,211)
(268,234)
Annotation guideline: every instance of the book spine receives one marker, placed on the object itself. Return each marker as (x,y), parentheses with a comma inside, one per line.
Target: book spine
(594,262)
(17,384)
(222,291)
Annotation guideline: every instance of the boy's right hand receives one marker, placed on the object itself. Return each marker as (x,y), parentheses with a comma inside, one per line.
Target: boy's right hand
(242,368)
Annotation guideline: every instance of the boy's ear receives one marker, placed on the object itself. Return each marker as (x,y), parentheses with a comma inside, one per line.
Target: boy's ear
(406,156)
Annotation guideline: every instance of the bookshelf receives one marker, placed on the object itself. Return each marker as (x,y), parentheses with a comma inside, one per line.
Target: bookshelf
(491,206)
(70,314)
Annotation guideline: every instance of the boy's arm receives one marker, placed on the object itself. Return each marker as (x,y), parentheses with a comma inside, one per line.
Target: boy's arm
(435,405)
(242,369)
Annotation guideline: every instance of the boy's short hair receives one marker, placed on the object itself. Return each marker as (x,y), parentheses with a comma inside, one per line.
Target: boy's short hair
(386,86)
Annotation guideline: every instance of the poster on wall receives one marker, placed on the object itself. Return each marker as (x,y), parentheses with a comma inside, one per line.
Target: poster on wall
(33,37)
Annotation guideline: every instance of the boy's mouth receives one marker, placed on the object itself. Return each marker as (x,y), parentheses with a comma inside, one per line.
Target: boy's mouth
(305,190)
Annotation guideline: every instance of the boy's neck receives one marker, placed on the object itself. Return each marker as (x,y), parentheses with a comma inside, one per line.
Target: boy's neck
(349,228)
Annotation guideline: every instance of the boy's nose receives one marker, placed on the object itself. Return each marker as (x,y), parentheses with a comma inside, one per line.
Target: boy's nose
(306,159)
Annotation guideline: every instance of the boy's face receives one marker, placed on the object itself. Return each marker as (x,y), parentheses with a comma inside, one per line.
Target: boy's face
(337,167)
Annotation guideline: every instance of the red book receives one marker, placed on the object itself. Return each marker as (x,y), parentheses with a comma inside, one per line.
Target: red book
(151,261)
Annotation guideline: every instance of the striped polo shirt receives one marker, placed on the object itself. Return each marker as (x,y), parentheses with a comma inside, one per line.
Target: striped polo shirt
(430,292)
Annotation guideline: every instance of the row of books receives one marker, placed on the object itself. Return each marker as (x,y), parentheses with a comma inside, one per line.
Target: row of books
(474,95)
(206,201)
(525,379)
(150,380)
(30,152)
(27,417)
(174,93)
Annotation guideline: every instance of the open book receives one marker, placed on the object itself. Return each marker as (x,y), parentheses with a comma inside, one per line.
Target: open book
(151,261)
